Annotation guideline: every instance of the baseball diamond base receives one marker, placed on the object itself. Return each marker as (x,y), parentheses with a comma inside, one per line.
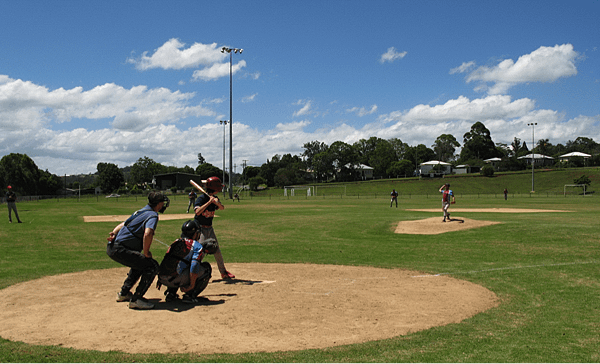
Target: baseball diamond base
(269,307)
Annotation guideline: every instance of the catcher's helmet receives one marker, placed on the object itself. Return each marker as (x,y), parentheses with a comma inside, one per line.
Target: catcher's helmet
(189,229)
(214,183)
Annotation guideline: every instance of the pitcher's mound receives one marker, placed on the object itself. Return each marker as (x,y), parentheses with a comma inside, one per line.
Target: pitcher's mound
(435,225)
(269,307)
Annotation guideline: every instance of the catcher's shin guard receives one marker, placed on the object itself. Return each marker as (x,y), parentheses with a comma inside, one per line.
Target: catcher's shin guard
(202,280)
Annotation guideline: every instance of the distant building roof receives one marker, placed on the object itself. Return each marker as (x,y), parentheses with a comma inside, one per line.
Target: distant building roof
(493,160)
(434,163)
(536,156)
(575,154)
(359,166)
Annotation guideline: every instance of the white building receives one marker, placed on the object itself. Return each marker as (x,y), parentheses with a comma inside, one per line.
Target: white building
(540,159)
(441,168)
(366,172)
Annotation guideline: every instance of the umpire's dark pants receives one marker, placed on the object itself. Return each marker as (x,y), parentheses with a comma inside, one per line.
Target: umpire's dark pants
(141,267)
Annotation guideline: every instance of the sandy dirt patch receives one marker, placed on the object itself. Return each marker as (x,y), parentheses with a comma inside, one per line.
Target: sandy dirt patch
(121,218)
(270,307)
(435,225)
(493,209)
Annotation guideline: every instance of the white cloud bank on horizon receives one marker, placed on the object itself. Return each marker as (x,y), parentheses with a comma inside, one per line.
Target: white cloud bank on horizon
(28,112)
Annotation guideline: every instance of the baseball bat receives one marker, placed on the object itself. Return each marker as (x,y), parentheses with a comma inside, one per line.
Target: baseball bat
(197,186)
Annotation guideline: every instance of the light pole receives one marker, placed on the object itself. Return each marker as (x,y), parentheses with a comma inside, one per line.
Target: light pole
(224,122)
(532,155)
(230,50)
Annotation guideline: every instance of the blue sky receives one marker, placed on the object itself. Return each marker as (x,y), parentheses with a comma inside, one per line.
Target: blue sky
(112,81)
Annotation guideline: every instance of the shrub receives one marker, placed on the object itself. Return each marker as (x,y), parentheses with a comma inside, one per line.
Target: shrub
(583,180)
(487,170)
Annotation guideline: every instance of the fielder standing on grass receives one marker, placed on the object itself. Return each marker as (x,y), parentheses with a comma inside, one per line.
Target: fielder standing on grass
(192,196)
(394,196)
(205,207)
(447,199)
(11,201)
(129,244)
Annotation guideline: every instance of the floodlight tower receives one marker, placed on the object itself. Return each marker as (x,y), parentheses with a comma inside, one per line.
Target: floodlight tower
(532,154)
(224,122)
(230,51)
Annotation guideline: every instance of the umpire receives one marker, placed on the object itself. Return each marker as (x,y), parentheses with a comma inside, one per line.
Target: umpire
(129,244)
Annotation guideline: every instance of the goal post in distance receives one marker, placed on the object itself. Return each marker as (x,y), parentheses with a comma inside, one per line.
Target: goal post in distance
(565,188)
(291,190)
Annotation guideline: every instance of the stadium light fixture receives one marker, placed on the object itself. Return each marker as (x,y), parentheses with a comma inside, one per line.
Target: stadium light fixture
(229,50)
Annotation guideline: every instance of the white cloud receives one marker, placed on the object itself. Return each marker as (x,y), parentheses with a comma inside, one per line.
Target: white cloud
(391,55)
(294,126)
(26,106)
(491,107)
(171,56)
(466,66)
(217,70)
(252,76)
(546,64)
(248,98)
(306,108)
(362,111)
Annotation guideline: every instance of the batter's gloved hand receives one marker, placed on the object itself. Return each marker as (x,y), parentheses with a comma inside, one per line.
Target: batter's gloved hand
(210,246)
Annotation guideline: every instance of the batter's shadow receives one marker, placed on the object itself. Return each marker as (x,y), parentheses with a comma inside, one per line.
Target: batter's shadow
(180,306)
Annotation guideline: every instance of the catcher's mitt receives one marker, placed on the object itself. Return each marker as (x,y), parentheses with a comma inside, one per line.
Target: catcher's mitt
(210,246)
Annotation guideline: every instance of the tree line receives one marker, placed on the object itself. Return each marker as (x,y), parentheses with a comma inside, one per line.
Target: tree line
(340,161)
(20,171)
(392,158)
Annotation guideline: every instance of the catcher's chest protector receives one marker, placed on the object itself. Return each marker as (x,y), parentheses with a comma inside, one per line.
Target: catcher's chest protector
(176,252)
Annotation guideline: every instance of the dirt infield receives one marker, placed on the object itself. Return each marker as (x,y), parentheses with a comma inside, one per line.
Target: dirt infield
(493,209)
(435,225)
(121,218)
(271,307)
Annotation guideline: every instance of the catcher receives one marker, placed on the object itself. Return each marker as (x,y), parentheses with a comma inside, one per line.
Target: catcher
(183,268)
(447,199)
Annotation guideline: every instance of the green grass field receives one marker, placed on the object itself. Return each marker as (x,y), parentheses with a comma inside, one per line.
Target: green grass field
(544,267)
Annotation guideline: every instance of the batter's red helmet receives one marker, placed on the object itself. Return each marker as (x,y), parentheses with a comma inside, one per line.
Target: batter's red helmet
(214,183)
